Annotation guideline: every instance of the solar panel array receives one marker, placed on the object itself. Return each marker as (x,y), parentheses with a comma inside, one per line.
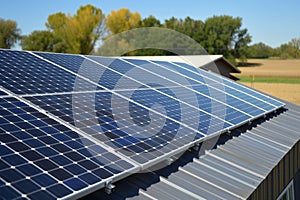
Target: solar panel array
(70,123)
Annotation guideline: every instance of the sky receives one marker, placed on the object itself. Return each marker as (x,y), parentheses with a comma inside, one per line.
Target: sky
(273,22)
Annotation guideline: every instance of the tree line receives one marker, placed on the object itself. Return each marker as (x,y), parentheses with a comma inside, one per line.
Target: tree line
(80,32)
(285,51)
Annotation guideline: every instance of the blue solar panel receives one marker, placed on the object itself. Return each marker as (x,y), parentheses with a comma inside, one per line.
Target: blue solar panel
(40,158)
(215,82)
(105,125)
(217,79)
(190,103)
(141,110)
(24,73)
(107,72)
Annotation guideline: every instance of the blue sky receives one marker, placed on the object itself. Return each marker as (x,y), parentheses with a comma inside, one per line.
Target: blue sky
(272,22)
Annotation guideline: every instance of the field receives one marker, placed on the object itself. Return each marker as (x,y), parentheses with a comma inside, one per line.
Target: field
(280,78)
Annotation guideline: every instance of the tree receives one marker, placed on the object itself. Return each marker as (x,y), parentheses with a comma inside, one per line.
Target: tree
(260,50)
(289,50)
(223,35)
(188,26)
(9,33)
(150,21)
(295,43)
(122,20)
(69,34)
(39,41)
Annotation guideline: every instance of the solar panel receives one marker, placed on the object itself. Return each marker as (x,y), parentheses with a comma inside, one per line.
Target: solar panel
(43,159)
(191,105)
(121,132)
(85,120)
(24,73)
(233,85)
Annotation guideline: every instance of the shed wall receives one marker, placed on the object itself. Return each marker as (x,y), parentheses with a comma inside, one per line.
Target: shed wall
(287,169)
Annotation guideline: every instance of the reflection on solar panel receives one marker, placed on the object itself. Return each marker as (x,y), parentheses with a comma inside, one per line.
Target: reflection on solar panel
(71,124)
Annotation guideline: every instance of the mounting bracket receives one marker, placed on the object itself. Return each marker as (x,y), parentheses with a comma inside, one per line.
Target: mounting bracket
(109,187)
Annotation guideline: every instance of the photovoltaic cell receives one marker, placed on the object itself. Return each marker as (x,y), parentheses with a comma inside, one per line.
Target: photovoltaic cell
(41,158)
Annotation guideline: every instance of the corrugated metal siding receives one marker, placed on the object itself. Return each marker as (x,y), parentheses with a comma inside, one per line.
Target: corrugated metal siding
(280,176)
(234,170)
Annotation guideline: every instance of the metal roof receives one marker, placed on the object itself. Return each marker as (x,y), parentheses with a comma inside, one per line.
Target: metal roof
(232,170)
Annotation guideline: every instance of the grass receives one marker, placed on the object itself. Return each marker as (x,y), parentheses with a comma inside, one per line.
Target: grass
(249,79)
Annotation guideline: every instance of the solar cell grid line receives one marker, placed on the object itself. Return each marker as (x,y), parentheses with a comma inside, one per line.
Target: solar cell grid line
(154,88)
(41,158)
(22,73)
(164,69)
(231,84)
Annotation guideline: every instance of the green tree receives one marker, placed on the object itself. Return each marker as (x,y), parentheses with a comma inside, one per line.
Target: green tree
(285,51)
(260,50)
(289,50)
(150,21)
(39,41)
(295,43)
(187,26)
(122,20)
(223,35)
(9,33)
(69,34)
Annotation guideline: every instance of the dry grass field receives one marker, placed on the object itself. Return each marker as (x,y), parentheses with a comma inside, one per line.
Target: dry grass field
(272,68)
(287,70)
